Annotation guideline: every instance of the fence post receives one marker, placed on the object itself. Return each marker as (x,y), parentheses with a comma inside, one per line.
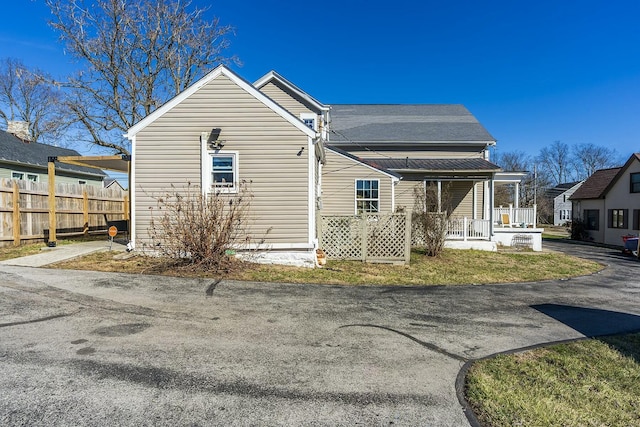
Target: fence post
(126,207)
(52,203)
(85,211)
(363,236)
(16,214)
(407,237)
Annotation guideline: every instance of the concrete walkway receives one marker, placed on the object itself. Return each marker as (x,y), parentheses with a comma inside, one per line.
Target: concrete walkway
(63,252)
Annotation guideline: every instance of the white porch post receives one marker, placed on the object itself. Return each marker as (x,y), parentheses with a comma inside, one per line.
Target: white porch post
(474,212)
(439,196)
(516,195)
(491,199)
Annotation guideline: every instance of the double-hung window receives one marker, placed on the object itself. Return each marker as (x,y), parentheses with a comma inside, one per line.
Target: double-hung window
(618,218)
(592,219)
(635,182)
(224,171)
(367,195)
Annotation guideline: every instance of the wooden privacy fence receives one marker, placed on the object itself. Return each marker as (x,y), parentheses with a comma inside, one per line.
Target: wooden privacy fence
(369,237)
(79,209)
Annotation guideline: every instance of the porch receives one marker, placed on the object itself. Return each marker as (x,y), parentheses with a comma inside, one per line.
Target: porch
(511,227)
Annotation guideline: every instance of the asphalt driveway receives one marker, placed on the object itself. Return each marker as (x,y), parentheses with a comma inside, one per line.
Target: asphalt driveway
(88,348)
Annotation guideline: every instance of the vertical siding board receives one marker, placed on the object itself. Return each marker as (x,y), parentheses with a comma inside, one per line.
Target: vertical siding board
(168,152)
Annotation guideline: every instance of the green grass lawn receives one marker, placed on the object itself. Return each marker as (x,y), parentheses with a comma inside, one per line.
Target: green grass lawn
(593,382)
(452,267)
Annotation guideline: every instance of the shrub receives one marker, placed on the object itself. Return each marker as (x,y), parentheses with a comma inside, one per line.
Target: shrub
(201,229)
(579,230)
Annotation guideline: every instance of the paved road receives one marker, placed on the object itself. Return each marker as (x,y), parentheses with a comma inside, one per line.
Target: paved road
(88,348)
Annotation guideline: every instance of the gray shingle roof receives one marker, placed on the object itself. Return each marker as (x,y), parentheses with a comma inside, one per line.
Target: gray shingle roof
(436,165)
(595,186)
(392,123)
(13,149)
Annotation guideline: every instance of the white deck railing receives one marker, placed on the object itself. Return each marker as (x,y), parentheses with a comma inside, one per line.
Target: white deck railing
(468,229)
(526,216)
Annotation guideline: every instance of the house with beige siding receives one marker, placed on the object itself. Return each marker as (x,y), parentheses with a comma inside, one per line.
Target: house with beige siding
(264,144)
(305,158)
(608,203)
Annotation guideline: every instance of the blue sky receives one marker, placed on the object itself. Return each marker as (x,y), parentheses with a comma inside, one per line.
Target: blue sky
(531,72)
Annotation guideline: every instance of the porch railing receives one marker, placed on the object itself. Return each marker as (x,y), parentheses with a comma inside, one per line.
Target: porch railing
(468,229)
(525,216)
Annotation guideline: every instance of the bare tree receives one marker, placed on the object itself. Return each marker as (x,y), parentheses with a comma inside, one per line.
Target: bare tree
(513,161)
(431,215)
(555,160)
(27,95)
(136,56)
(588,158)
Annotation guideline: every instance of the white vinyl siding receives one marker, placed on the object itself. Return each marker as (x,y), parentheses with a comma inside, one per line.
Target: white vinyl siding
(168,152)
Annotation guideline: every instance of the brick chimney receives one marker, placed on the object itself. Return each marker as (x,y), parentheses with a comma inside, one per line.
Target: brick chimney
(19,130)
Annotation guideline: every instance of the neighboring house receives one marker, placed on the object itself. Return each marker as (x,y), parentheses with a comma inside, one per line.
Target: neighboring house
(24,160)
(562,206)
(608,202)
(304,158)
(112,183)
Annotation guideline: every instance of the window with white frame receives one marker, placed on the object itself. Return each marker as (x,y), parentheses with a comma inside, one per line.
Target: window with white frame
(309,119)
(367,195)
(22,176)
(223,171)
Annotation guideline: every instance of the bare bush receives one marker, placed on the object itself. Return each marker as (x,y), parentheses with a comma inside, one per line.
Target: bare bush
(201,229)
(431,216)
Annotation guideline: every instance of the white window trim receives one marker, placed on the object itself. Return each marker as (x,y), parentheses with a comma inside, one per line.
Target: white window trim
(24,176)
(313,116)
(209,171)
(355,194)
